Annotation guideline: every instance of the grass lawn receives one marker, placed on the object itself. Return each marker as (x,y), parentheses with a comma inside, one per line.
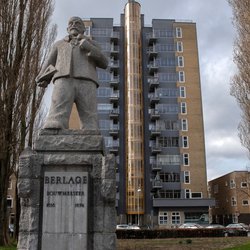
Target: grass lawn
(225,243)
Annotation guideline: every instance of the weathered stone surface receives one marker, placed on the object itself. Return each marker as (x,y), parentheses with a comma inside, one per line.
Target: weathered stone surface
(67,157)
(69,142)
(27,240)
(104,241)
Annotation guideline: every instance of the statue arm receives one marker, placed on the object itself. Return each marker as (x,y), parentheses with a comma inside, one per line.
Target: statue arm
(49,63)
(95,53)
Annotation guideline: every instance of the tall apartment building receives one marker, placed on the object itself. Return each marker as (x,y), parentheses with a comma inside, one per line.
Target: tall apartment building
(150,114)
(232,198)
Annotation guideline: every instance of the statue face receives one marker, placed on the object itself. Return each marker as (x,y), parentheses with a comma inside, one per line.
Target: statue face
(75,26)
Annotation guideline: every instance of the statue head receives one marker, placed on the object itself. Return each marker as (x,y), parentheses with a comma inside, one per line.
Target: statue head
(75,26)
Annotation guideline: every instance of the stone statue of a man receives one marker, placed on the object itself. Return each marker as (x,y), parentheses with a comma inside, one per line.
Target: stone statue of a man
(71,65)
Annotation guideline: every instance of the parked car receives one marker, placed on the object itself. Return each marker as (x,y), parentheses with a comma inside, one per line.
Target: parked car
(127,227)
(236,229)
(215,226)
(190,225)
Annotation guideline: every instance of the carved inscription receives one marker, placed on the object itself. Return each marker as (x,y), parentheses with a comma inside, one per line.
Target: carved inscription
(65,202)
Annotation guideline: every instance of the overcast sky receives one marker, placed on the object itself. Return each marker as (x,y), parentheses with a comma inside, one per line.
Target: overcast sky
(215,40)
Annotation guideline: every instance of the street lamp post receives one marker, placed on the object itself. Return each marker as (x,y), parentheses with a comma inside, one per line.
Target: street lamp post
(138,196)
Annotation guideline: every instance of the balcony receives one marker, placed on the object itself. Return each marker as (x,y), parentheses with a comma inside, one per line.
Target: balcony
(114,81)
(163,202)
(153,99)
(115,35)
(156,149)
(152,53)
(157,184)
(155,132)
(114,97)
(114,147)
(114,130)
(114,114)
(152,38)
(153,83)
(154,115)
(156,166)
(152,67)
(114,66)
(114,51)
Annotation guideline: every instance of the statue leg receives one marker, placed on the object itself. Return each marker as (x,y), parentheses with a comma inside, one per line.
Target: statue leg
(61,104)
(86,104)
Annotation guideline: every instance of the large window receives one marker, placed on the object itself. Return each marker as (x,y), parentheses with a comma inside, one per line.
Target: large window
(104,92)
(169,177)
(104,107)
(167,108)
(104,124)
(163,218)
(165,47)
(167,92)
(168,159)
(168,142)
(163,125)
(169,194)
(167,77)
(187,193)
(176,218)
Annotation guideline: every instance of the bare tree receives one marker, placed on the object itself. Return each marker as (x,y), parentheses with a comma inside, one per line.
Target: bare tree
(25,36)
(240,85)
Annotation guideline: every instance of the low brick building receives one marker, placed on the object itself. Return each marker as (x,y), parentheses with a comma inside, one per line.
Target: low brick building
(232,198)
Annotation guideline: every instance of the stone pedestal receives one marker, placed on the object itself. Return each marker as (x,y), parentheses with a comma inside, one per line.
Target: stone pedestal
(67,190)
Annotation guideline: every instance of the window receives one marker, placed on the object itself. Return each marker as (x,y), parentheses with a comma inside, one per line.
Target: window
(104,107)
(245,202)
(178,32)
(184,125)
(9,201)
(183,108)
(233,202)
(186,177)
(176,218)
(181,76)
(182,92)
(168,159)
(187,193)
(87,31)
(185,142)
(10,184)
(169,177)
(186,159)
(243,184)
(163,218)
(235,218)
(180,61)
(196,195)
(179,46)
(168,194)
(232,184)
(104,124)
(167,108)
(104,92)
(168,142)
(216,189)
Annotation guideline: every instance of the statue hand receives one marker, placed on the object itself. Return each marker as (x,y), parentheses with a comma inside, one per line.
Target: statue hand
(84,44)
